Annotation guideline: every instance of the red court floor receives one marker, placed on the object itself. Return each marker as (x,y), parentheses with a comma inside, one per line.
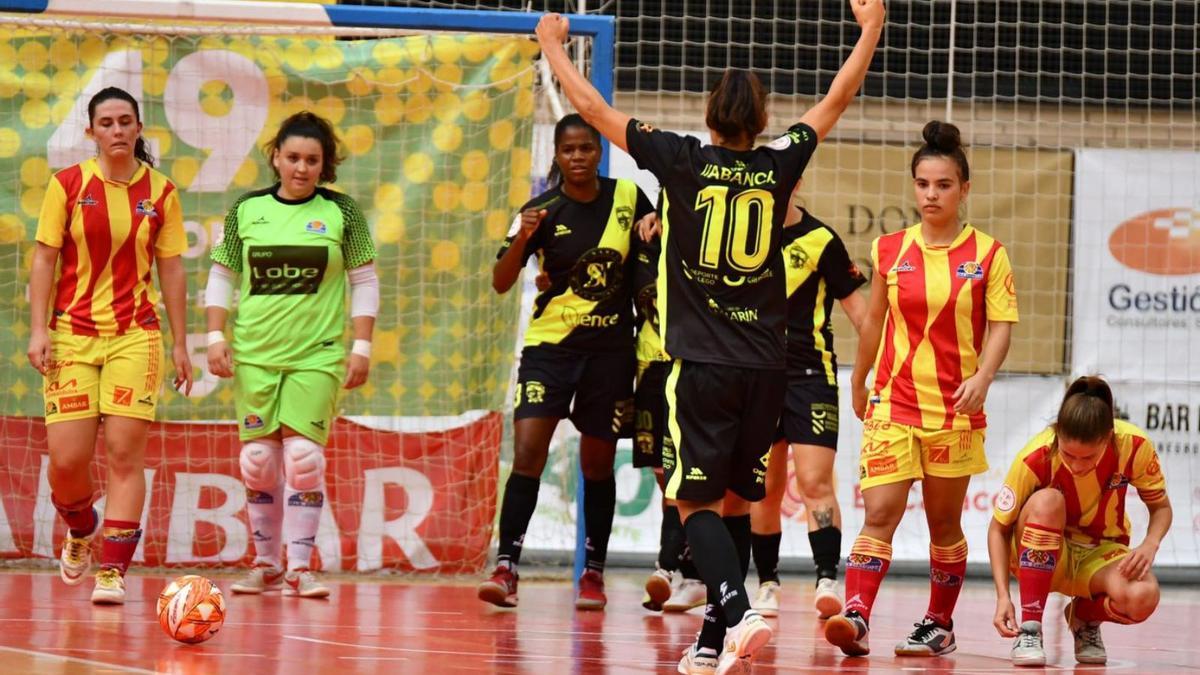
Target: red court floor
(432,628)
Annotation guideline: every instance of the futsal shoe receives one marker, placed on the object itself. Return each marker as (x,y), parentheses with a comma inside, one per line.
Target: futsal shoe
(110,587)
(1089,646)
(75,559)
(690,593)
(697,661)
(742,642)
(766,601)
(1027,649)
(303,583)
(849,633)
(929,638)
(591,591)
(828,598)
(658,590)
(260,579)
(500,589)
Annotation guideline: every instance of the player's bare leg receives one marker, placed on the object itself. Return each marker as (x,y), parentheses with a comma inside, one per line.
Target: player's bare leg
(766,532)
(72,445)
(814,476)
(125,444)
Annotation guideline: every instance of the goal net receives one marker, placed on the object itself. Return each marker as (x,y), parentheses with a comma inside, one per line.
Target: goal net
(437,129)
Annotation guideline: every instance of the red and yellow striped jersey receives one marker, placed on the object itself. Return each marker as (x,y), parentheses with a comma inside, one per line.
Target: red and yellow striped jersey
(940,299)
(1095,500)
(109,233)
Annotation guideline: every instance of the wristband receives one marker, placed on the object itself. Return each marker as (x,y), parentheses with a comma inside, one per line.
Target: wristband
(362,348)
(215,337)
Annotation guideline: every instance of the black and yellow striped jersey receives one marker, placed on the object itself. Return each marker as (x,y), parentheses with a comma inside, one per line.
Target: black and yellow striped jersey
(645,298)
(721,291)
(585,249)
(819,271)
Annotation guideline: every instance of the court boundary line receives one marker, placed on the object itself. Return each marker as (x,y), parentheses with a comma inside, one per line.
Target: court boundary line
(75,659)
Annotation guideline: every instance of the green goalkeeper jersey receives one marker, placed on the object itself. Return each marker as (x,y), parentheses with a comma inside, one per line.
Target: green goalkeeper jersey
(292,257)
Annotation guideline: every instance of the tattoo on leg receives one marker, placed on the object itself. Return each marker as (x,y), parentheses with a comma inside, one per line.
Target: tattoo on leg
(824,517)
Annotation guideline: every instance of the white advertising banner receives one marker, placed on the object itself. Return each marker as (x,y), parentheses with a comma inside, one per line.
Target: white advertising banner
(1137,265)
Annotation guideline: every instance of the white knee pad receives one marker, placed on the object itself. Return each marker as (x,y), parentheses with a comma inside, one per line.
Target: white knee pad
(262,464)
(303,463)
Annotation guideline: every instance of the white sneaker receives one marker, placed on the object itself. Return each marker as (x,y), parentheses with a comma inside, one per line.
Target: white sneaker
(690,593)
(927,639)
(697,661)
(110,587)
(1027,649)
(658,590)
(304,584)
(828,598)
(260,579)
(742,642)
(75,559)
(1089,646)
(766,601)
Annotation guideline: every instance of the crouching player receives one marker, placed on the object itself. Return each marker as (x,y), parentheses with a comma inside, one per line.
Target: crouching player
(1060,525)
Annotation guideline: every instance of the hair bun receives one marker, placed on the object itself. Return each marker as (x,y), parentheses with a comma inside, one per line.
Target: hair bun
(943,137)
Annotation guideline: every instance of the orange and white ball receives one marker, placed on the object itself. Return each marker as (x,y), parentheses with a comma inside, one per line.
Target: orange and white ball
(191,609)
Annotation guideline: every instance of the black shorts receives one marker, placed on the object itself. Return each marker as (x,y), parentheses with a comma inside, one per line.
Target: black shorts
(650,415)
(810,413)
(592,389)
(720,422)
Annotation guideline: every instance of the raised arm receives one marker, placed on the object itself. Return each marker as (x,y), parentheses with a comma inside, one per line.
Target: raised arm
(552,31)
(822,116)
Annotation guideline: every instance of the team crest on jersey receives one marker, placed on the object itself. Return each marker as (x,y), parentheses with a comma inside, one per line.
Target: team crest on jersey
(88,200)
(904,266)
(315,227)
(645,127)
(252,421)
(970,270)
(1117,481)
(145,207)
(598,274)
(624,218)
(797,257)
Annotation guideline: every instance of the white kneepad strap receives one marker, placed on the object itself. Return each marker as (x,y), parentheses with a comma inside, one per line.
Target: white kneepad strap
(262,464)
(303,463)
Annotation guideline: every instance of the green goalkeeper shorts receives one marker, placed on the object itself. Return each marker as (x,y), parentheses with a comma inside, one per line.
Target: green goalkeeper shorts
(302,400)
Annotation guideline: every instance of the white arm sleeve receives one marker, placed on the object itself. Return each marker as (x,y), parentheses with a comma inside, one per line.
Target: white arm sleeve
(364,291)
(219,292)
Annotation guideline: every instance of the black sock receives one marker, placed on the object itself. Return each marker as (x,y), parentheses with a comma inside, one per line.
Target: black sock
(686,567)
(520,499)
(716,558)
(827,548)
(671,541)
(712,630)
(766,555)
(599,503)
(739,530)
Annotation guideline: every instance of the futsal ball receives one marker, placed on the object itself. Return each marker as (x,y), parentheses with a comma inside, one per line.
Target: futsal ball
(191,609)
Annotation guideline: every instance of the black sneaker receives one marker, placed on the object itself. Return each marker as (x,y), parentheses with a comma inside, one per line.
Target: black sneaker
(929,638)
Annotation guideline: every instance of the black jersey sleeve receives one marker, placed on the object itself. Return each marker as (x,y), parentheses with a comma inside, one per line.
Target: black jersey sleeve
(793,150)
(643,207)
(654,150)
(840,273)
(535,243)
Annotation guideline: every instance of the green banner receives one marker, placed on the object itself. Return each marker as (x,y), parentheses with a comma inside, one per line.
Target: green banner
(436,133)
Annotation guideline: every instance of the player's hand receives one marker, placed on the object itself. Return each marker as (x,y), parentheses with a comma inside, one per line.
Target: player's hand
(39,350)
(970,395)
(1136,565)
(1005,620)
(858,397)
(868,13)
(648,227)
(553,29)
(220,359)
(530,220)
(542,281)
(357,368)
(183,367)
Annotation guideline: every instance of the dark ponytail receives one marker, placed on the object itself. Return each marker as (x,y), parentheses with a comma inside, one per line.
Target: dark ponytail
(942,139)
(1087,411)
(554,176)
(140,151)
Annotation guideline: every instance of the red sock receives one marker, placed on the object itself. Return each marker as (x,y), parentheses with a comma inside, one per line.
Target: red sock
(947,567)
(865,568)
(120,541)
(79,516)
(1037,556)
(1098,609)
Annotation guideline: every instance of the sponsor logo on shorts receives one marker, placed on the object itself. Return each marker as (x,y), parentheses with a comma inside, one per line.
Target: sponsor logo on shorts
(535,392)
(939,454)
(315,227)
(252,421)
(306,499)
(881,466)
(51,408)
(944,578)
(876,425)
(824,418)
(1117,481)
(695,474)
(74,403)
(1115,553)
(969,270)
(1038,560)
(1006,500)
(259,497)
(122,396)
(320,424)
(859,561)
(148,399)
(61,387)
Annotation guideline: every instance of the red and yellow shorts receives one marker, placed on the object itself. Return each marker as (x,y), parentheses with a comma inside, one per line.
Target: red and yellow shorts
(1077,564)
(89,376)
(894,452)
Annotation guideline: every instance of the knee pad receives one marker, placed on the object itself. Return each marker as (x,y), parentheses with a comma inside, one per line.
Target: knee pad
(262,464)
(303,463)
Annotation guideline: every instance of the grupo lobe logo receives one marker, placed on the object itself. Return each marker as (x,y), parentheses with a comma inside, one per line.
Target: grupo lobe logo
(1164,243)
